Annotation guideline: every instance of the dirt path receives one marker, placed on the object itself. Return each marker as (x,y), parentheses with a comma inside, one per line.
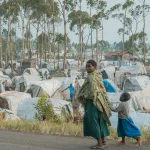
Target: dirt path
(29,141)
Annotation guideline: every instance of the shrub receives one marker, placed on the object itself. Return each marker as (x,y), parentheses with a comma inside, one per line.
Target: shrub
(45,110)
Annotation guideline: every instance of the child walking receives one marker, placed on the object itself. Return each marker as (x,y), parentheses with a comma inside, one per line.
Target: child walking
(126,126)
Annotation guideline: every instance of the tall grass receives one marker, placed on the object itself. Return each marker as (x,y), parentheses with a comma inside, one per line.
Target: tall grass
(62,128)
(44,127)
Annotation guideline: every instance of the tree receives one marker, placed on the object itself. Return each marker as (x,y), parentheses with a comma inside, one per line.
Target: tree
(66,5)
(1,48)
(122,17)
(101,14)
(91,4)
(11,16)
(75,18)
(146,9)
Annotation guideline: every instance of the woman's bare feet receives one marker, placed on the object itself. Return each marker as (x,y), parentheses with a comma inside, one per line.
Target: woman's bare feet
(97,147)
(104,141)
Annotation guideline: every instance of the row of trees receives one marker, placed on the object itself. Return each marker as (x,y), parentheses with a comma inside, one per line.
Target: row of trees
(44,15)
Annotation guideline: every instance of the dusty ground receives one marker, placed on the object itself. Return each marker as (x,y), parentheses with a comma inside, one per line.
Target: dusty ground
(29,141)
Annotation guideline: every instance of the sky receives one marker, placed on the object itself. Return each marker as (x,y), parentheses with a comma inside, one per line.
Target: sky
(110,27)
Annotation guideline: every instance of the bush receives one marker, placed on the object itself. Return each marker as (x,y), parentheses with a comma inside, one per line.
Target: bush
(45,110)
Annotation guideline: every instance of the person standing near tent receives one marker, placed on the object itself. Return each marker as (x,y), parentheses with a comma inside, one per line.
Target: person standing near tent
(6,85)
(72,92)
(93,97)
(45,74)
(69,73)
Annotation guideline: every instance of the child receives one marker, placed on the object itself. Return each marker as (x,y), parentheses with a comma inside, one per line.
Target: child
(126,126)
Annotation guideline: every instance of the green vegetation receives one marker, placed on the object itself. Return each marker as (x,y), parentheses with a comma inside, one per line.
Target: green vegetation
(45,16)
(62,128)
(45,110)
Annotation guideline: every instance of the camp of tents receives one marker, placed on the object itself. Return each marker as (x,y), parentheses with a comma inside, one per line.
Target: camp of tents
(28,87)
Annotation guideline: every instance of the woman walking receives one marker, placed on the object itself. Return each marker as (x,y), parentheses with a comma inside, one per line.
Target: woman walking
(93,97)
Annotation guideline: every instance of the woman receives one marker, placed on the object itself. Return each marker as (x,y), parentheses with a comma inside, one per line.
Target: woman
(97,106)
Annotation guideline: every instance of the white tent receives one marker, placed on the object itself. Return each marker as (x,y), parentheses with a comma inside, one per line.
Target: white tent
(9,100)
(15,80)
(142,120)
(26,109)
(137,69)
(31,71)
(9,115)
(25,80)
(1,73)
(43,71)
(2,79)
(47,86)
(109,71)
(133,70)
(66,81)
(5,77)
(8,71)
(136,83)
(140,100)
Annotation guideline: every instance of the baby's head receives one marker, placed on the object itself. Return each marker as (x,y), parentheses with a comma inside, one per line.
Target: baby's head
(125,97)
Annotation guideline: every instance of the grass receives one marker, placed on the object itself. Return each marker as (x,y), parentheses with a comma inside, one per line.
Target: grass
(62,128)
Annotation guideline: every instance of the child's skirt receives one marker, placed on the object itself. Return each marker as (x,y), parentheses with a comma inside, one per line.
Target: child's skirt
(126,127)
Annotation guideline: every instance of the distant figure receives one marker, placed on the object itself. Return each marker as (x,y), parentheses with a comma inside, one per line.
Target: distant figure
(126,126)
(6,85)
(69,73)
(40,73)
(45,74)
(72,92)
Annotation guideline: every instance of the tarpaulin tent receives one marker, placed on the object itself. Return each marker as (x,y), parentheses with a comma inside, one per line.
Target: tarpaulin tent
(43,71)
(9,100)
(3,78)
(136,83)
(108,73)
(31,71)
(9,115)
(48,87)
(136,69)
(141,120)
(133,70)
(110,86)
(140,100)
(25,80)
(15,80)
(1,73)
(66,81)
(26,109)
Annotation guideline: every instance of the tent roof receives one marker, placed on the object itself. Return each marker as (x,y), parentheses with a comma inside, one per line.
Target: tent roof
(137,69)
(49,86)
(141,81)
(33,71)
(29,79)
(13,98)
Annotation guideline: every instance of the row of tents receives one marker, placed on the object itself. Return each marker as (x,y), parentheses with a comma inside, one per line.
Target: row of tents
(29,87)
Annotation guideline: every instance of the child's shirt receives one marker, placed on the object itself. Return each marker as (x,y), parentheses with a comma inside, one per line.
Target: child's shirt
(123,110)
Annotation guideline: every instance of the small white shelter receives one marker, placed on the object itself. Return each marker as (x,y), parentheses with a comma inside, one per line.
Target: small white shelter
(31,71)
(25,80)
(26,109)
(48,87)
(9,100)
